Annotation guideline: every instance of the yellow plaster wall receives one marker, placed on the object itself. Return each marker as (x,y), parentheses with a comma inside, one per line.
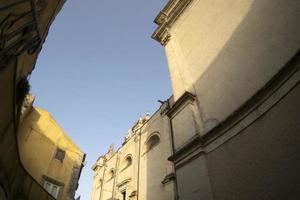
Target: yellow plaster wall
(39,138)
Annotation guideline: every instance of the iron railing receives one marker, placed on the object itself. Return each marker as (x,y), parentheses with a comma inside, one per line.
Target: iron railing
(19,30)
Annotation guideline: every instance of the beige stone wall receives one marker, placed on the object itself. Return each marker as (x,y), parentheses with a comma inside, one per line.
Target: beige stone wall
(148,169)
(262,161)
(194,181)
(225,51)
(154,164)
(234,67)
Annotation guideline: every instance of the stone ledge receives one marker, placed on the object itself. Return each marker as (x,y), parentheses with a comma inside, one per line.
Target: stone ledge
(166,18)
(187,96)
(264,100)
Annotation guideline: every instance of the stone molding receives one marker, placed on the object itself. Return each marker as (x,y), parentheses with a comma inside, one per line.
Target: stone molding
(122,183)
(53,180)
(186,97)
(263,101)
(166,18)
(169,178)
(133,194)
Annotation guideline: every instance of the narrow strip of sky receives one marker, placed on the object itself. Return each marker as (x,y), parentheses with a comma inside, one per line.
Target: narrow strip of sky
(99,71)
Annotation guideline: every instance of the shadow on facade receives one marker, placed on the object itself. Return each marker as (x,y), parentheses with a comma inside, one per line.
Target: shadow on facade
(15,181)
(24,26)
(55,159)
(262,160)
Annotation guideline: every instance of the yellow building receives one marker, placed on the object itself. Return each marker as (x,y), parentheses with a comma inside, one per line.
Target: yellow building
(24,26)
(47,152)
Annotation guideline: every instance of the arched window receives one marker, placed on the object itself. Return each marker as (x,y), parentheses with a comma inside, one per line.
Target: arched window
(152,142)
(111,174)
(127,161)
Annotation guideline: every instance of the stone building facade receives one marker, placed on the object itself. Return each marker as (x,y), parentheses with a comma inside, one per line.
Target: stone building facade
(234,67)
(139,169)
(232,126)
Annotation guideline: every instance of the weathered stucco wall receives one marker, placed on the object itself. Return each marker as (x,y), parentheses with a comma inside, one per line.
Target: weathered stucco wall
(38,139)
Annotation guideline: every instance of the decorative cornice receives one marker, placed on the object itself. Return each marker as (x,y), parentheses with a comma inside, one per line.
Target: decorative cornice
(168,178)
(56,182)
(166,18)
(264,100)
(123,182)
(191,146)
(101,161)
(133,194)
(187,96)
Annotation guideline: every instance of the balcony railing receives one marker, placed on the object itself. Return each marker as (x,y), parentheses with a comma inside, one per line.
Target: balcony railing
(19,30)
(19,35)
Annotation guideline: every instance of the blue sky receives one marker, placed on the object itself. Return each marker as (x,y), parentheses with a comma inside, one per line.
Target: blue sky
(99,71)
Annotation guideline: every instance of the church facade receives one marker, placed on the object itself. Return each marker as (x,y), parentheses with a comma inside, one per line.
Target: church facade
(234,67)
(231,128)
(139,169)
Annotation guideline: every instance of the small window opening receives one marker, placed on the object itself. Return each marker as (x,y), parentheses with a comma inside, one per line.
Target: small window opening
(124,195)
(100,181)
(152,142)
(52,188)
(111,174)
(60,154)
(127,162)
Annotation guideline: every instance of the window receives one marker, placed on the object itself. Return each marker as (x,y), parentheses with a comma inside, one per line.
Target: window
(111,174)
(124,195)
(152,142)
(52,188)
(127,161)
(60,154)
(100,182)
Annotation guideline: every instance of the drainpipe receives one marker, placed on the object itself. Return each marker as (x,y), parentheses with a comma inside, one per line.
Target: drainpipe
(173,151)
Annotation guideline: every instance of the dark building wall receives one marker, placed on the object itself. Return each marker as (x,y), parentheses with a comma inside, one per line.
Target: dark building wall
(262,161)
(238,62)
(193,180)
(23,26)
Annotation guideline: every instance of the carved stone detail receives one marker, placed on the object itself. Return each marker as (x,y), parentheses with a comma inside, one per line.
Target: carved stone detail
(165,38)
(166,18)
